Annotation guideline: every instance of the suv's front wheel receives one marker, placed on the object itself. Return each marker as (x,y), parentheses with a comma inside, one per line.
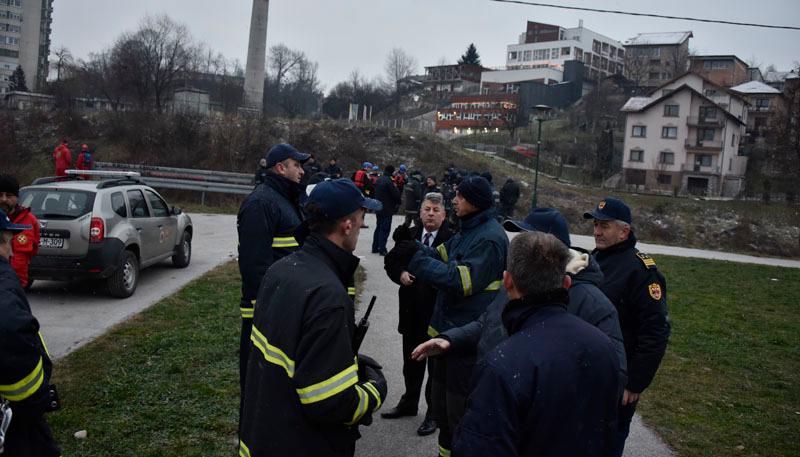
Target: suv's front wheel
(123,282)
(183,252)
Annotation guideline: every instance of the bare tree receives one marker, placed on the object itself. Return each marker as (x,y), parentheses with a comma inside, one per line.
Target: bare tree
(398,65)
(282,60)
(636,66)
(63,60)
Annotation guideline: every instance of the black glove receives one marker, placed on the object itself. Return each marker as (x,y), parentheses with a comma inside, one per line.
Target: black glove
(402,233)
(405,250)
(370,371)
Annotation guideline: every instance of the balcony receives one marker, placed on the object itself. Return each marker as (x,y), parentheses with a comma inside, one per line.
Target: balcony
(699,169)
(704,145)
(697,121)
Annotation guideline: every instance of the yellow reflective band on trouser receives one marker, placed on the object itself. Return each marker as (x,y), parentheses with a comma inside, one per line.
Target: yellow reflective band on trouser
(442,252)
(284,242)
(444,452)
(493,286)
(244,451)
(361,408)
(351,291)
(329,387)
(272,353)
(432,332)
(374,391)
(466,280)
(26,387)
(247,313)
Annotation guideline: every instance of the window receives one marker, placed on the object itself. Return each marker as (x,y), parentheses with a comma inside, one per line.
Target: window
(705,134)
(512,55)
(671,110)
(565,51)
(526,56)
(716,65)
(733,140)
(118,204)
(554,53)
(667,158)
(159,207)
(664,179)
(579,54)
(703,160)
(669,132)
(762,103)
(635,177)
(637,155)
(639,131)
(710,92)
(613,52)
(708,112)
(596,46)
(57,204)
(654,75)
(138,205)
(605,48)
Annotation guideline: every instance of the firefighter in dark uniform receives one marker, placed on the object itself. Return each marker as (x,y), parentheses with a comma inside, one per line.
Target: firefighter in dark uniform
(467,270)
(306,389)
(25,366)
(266,223)
(639,291)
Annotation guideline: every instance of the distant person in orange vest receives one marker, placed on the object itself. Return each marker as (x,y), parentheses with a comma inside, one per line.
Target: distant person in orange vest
(62,158)
(84,161)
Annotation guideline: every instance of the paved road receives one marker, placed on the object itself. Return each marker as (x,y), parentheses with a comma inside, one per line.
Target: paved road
(72,315)
(398,437)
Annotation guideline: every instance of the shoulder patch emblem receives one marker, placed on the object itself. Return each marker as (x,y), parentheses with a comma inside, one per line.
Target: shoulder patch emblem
(22,239)
(655,290)
(601,205)
(646,260)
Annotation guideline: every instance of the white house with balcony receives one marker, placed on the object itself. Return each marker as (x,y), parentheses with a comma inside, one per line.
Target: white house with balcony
(684,139)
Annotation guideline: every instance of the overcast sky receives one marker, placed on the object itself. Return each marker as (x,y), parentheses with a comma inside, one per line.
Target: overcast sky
(343,35)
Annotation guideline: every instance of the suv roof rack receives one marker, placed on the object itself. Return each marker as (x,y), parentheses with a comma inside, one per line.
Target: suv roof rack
(49,179)
(105,173)
(105,184)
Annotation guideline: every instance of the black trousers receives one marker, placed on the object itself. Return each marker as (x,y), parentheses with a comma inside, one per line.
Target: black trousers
(451,377)
(244,354)
(624,417)
(30,437)
(414,373)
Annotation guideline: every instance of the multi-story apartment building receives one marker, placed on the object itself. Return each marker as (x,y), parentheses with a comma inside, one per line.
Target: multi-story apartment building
(685,138)
(763,101)
(726,71)
(467,114)
(549,46)
(445,80)
(655,58)
(25,40)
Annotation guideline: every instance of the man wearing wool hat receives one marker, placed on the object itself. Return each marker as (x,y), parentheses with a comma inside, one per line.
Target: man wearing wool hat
(467,270)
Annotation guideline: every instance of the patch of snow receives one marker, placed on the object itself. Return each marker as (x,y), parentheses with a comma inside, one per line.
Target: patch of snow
(755,87)
(659,38)
(636,103)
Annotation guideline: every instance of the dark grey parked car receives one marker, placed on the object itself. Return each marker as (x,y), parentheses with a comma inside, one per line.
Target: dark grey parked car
(107,230)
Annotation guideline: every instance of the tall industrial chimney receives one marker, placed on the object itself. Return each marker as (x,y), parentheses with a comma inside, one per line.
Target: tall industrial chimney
(256,55)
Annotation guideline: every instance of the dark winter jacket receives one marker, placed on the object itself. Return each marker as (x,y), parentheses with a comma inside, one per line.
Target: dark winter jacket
(586,301)
(388,194)
(412,195)
(25,370)
(303,395)
(416,300)
(550,389)
(639,291)
(266,223)
(509,193)
(334,171)
(467,271)
(261,175)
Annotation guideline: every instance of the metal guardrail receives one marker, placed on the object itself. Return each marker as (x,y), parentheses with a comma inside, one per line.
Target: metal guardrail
(203,181)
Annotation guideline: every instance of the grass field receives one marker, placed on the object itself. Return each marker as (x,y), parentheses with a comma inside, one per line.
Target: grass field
(165,382)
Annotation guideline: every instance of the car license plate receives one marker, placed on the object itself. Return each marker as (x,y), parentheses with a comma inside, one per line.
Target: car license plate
(56,243)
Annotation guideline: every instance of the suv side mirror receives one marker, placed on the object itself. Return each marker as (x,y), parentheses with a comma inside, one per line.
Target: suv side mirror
(176,211)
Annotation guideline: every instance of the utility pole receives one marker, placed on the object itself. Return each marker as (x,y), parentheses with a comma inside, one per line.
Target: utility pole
(256,58)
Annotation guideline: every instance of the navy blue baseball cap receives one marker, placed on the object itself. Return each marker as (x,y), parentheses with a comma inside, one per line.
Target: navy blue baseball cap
(7,226)
(610,209)
(547,220)
(283,151)
(340,197)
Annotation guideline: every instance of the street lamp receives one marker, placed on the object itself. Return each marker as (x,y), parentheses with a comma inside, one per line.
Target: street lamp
(541,111)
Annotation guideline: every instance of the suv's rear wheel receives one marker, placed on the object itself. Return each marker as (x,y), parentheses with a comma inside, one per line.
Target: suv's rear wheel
(183,252)
(123,282)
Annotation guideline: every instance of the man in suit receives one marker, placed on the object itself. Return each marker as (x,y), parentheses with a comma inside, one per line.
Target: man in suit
(416,306)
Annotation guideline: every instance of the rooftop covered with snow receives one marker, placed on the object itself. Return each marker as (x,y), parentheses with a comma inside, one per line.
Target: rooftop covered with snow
(755,87)
(659,38)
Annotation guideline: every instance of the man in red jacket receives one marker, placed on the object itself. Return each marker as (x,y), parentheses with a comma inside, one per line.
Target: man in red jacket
(25,244)
(63,158)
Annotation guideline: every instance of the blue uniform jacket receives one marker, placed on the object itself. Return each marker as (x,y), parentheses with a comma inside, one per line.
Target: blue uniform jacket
(467,271)
(550,389)
(266,223)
